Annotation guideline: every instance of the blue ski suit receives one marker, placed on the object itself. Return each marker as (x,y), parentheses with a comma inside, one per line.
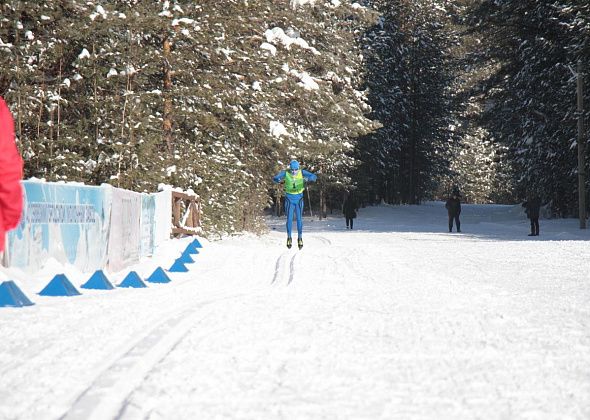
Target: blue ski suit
(294,202)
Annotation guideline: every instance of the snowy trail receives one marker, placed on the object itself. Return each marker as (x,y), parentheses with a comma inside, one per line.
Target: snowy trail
(397,319)
(106,395)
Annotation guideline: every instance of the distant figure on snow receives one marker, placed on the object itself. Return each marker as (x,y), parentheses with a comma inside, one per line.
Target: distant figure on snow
(11,170)
(294,178)
(532,208)
(349,209)
(453,206)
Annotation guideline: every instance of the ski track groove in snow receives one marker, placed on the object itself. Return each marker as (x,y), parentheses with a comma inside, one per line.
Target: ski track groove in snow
(292,267)
(106,397)
(279,267)
(285,267)
(322,239)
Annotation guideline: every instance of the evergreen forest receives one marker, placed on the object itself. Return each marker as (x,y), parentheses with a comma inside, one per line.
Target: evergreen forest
(395,100)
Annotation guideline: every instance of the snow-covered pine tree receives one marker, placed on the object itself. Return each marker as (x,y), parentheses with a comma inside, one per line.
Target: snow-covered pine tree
(408,79)
(251,85)
(531,95)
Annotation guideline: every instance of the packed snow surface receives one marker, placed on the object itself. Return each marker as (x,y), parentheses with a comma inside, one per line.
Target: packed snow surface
(396,319)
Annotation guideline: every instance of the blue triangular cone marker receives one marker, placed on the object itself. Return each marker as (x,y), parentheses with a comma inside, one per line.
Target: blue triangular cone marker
(132,280)
(185,258)
(11,295)
(159,276)
(98,281)
(196,243)
(59,286)
(190,249)
(178,267)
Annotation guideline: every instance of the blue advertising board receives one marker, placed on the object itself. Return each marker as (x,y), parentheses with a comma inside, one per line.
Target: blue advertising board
(67,222)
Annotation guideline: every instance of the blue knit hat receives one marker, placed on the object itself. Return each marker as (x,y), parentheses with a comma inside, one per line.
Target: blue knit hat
(294,165)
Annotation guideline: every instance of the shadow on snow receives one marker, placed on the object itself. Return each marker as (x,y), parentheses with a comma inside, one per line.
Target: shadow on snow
(478,221)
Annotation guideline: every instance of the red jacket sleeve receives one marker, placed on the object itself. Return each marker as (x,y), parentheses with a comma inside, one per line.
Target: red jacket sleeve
(11,170)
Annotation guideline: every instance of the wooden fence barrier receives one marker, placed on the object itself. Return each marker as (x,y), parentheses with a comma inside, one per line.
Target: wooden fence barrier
(186,214)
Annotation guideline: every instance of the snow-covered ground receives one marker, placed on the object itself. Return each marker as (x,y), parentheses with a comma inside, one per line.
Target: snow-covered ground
(397,319)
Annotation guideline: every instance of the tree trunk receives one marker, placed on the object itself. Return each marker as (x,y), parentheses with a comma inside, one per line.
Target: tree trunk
(59,99)
(95,99)
(19,123)
(50,162)
(39,119)
(278,205)
(581,149)
(413,137)
(167,124)
(322,211)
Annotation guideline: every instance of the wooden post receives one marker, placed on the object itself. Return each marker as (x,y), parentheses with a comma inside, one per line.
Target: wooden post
(195,214)
(176,210)
(581,149)
(185,208)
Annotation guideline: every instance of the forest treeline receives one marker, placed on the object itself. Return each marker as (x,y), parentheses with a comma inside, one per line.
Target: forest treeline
(396,100)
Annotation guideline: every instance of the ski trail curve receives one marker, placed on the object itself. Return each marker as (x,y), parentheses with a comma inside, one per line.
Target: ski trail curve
(322,239)
(106,396)
(279,267)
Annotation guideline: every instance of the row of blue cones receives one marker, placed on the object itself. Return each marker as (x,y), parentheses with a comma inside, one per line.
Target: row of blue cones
(60,285)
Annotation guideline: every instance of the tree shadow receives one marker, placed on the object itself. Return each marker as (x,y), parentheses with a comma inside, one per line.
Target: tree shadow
(429,222)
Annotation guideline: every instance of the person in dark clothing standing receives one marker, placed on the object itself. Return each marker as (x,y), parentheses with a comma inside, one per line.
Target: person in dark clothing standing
(453,206)
(532,208)
(349,210)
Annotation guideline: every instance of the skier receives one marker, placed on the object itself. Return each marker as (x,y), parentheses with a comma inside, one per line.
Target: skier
(453,206)
(349,209)
(11,169)
(294,178)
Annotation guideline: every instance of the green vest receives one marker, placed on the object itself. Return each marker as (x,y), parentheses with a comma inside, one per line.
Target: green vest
(294,184)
